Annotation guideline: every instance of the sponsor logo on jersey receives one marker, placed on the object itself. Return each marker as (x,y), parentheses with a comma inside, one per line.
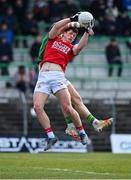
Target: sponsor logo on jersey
(61,47)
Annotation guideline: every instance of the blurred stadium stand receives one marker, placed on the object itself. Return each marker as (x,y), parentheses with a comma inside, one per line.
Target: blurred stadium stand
(88,72)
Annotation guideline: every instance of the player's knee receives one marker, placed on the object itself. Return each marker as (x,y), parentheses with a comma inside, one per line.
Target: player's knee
(38,107)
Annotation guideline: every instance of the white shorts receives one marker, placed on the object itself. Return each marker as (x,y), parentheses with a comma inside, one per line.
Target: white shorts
(50,82)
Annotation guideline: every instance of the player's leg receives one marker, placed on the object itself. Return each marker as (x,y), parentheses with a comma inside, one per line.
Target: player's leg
(41,93)
(39,100)
(71,129)
(65,100)
(84,112)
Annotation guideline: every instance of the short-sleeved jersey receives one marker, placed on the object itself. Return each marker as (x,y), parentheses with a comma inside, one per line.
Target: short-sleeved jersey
(58,52)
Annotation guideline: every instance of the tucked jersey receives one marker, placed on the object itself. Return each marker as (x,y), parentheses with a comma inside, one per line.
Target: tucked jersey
(58,52)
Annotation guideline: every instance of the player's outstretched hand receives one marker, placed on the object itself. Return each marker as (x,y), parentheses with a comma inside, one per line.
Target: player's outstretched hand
(75,17)
(89,31)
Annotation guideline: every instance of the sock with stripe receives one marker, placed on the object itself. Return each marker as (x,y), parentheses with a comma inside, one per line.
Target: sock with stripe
(49,132)
(91,119)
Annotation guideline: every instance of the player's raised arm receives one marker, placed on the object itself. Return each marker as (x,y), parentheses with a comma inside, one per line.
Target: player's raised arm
(61,25)
(83,41)
(86,20)
(56,29)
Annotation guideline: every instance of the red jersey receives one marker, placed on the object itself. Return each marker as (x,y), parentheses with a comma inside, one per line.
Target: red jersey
(58,52)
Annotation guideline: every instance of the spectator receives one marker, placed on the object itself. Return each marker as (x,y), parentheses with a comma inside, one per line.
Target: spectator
(34,50)
(112,11)
(55,10)
(123,24)
(21,79)
(29,26)
(41,11)
(113,56)
(20,8)
(8,33)
(109,26)
(6,55)
(10,18)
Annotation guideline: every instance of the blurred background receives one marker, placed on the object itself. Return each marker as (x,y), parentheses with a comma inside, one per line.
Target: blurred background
(101,72)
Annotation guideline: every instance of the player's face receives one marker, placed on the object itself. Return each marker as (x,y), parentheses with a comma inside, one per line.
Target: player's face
(69,36)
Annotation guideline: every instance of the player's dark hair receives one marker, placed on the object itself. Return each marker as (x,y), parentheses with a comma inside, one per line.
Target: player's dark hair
(72,28)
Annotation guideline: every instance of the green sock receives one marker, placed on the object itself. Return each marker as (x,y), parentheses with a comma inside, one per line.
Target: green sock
(68,120)
(90,118)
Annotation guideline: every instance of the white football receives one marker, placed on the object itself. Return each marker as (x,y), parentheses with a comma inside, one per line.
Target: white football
(86,19)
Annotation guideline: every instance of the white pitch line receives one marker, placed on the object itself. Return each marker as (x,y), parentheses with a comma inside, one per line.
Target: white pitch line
(77,171)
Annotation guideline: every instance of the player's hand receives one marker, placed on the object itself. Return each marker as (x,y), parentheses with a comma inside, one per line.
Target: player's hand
(89,31)
(74,25)
(75,17)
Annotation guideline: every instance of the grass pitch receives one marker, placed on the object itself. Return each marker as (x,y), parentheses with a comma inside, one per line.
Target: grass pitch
(65,166)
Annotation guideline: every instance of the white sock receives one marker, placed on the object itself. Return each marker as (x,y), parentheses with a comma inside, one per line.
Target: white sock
(81,131)
(50,134)
(95,122)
